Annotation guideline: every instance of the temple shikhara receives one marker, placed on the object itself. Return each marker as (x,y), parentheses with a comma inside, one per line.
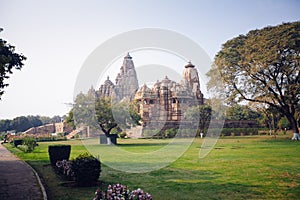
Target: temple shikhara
(165,101)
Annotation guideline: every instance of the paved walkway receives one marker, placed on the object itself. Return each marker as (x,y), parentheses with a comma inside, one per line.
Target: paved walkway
(17,179)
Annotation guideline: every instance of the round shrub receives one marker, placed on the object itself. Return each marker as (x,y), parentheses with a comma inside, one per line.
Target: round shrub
(86,169)
(58,152)
(30,143)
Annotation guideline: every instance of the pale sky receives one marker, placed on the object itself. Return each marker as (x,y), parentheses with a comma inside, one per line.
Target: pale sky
(58,36)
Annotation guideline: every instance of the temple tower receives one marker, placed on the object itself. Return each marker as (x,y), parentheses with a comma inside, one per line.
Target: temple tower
(126,81)
(190,80)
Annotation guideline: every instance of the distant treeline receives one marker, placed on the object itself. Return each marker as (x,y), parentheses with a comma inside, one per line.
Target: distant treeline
(20,124)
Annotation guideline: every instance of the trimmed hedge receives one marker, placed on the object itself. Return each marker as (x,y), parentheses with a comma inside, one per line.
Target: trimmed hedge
(185,133)
(18,142)
(58,152)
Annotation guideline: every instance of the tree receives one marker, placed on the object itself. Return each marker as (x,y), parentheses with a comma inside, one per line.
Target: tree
(262,66)
(20,124)
(84,110)
(199,114)
(8,61)
(34,120)
(284,123)
(70,119)
(5,125)
(239,112)
(118,115)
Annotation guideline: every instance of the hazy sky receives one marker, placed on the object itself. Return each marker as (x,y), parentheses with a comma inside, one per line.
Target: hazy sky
(57,37)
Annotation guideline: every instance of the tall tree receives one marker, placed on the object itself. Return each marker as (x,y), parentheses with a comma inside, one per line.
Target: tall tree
(20,124)
(120,115)
(262,66)
(8,61)
(199,114)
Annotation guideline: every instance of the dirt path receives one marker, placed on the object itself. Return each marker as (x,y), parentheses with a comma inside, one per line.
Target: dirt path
(17,179)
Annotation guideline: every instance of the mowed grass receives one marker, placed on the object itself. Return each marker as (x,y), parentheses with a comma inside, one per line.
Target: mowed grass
(257,167)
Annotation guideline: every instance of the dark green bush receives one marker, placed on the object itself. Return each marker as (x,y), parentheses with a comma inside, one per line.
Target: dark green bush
(86,169)
(170,133)
(58,152)
(18,142)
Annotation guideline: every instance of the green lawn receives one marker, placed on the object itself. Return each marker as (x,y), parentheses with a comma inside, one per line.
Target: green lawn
(256,167)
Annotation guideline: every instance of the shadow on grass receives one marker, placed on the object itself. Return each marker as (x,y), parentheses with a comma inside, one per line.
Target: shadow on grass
(142,144)
(170,183)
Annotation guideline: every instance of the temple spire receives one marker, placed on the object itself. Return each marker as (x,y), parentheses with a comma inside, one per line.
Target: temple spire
(128,56)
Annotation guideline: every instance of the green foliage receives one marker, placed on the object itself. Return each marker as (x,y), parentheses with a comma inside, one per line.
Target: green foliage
(262,67)
(83,112)
(236,131)
(22,123)
(9,60)
(122,134)
(170,133)
(59,152)
(117,116)
(5,125)
(70,119)
(199,114)
(240,112)
(284,123)
(30,143)
(86,169)
(105,115)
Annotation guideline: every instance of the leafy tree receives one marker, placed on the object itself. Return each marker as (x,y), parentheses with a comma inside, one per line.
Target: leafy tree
(115,115)
(20,124)
(105,115)
(103,112)
(239,112)
(84,110)
(262,66)
(34,121)
(5,125)
(284,123)
(199,114)
(70,119)
(8,61)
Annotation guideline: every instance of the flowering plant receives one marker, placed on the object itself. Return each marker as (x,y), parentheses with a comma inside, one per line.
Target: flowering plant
(120,192)
(116,191)
(139,195)
(64,167)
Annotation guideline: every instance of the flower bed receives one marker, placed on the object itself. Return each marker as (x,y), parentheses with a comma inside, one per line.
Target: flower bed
(119,191)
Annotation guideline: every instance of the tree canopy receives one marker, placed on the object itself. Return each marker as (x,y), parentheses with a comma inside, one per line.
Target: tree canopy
(200,114)
(8,61)
(103,113)
(119,115)
(262,66)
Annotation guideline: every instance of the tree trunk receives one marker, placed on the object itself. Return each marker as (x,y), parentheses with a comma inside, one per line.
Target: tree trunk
(293,122)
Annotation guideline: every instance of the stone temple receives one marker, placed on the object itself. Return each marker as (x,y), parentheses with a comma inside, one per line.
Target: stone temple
(165,101)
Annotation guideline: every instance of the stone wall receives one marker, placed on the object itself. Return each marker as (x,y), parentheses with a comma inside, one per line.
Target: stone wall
(60,127)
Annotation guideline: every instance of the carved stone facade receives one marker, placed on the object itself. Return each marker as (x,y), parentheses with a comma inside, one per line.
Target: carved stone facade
(164,102)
